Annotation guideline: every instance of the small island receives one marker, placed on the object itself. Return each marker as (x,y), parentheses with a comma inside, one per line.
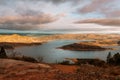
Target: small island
(83,47)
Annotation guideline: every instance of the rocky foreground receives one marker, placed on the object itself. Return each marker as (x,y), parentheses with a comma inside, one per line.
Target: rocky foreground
(20,70)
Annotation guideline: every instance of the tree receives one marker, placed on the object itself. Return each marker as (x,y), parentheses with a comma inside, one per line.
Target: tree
(109,57)
(113,60)
(3,53)
(116,58)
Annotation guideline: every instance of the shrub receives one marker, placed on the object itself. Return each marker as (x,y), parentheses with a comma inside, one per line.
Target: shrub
(29,59)
(3,53)
(113,60)
(18,56)
(65,63)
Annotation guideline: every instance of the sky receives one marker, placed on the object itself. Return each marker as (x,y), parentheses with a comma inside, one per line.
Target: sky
(59,15)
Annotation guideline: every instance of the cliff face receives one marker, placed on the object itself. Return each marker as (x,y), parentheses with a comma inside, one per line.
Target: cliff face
(82,47)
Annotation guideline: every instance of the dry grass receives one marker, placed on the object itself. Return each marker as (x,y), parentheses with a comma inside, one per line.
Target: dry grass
(19,70)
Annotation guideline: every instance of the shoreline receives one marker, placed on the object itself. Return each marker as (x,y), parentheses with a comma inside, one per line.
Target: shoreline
(11,45)
(99,39)
(89,68)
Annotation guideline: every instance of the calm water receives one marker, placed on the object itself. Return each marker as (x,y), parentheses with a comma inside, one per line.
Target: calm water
(50,54)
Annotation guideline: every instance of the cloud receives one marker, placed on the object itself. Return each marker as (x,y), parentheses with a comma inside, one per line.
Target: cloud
(27,12)
(56,2)
(108,22)
(109,8)
(61,1)
(32,14)
(26,21)
(112,13)
(2,2)
(26,17)
(94,5)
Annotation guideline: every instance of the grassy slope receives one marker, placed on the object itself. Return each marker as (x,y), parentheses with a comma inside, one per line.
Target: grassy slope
(19,70)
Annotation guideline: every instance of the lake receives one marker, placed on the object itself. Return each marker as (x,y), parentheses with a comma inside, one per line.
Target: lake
(51,54)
